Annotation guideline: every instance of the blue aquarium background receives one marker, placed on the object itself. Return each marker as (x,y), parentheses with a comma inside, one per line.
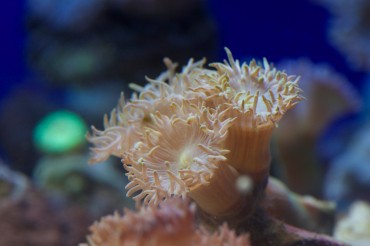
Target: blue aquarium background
(272,29)
(64,64)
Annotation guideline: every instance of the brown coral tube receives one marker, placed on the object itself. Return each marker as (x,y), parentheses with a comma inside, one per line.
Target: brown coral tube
(252,159)
(253,156)
(220,196)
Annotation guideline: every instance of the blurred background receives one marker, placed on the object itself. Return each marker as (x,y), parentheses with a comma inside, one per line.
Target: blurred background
(63,65)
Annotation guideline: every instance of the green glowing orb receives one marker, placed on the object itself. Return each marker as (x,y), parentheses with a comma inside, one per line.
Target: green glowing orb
(59,132)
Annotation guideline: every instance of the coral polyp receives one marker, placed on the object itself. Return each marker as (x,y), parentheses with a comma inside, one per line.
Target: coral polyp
(122,126)
(261,92)
(259,96)
(175,147)
(178,154)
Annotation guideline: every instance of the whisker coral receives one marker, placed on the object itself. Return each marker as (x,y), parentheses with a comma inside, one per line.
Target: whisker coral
(203,135)
(194,133)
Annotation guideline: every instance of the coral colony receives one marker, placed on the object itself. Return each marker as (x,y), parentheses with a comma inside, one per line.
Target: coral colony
(196,148)
(349,30)
(330,96)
